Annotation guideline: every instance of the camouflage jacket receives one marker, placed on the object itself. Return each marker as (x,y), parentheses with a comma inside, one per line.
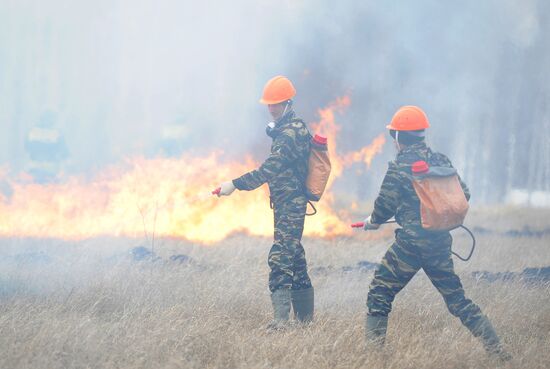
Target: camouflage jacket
(285,169)
(397,196)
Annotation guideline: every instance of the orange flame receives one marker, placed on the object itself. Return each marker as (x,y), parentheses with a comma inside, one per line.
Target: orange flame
(367,153)
(328,127)
(170,197)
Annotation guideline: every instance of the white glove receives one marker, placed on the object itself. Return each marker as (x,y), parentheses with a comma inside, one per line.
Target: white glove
(369,226)
(227,189)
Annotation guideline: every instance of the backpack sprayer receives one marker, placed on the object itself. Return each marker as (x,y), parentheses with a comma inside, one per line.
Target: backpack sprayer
(362,224)
(443,205)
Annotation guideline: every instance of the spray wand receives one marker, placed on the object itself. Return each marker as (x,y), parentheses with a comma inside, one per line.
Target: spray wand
(362,224)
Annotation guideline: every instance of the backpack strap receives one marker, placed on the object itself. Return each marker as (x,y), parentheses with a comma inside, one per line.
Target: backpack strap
(313,207)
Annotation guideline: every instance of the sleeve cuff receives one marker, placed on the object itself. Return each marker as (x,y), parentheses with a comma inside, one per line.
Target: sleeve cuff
(237,183)
(375,219)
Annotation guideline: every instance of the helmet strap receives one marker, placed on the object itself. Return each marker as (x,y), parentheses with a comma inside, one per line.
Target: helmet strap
(286,108)
(397,140)
(287,105)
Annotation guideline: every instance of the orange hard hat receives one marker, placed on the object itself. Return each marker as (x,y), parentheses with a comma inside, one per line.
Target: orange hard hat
(277,90)
(409,118)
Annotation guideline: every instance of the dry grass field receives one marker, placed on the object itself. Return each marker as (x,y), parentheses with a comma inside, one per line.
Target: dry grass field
(87,304)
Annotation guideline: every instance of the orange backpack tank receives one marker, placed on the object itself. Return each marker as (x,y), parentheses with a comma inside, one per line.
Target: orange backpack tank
(318,168)
(443,205)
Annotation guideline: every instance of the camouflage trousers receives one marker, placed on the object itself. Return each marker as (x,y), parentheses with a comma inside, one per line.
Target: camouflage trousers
(287,258)
(401,262)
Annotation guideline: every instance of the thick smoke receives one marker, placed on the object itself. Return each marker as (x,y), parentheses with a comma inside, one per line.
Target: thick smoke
(116,72)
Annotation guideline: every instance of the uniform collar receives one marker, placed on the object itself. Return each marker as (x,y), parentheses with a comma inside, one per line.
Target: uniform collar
(289,115)
(419,148)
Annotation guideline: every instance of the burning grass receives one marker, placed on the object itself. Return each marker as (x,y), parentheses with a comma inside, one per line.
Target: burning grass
(88,304)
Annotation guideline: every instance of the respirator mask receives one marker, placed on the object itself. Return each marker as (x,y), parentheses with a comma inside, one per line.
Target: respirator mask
(270,128)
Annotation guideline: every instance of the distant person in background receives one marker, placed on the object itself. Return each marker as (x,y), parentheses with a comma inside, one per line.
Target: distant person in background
(174,140)
(46,150)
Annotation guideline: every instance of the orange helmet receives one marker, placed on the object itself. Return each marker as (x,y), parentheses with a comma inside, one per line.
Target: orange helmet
(409,118)
(277,90)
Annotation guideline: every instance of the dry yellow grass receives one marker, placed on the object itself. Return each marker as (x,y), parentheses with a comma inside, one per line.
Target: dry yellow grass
(91,307)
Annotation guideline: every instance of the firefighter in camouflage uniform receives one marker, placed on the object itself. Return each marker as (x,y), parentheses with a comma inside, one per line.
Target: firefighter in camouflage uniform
(46,149)
(284,171)
(414,247)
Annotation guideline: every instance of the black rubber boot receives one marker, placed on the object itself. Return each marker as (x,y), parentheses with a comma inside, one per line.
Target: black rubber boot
(302,304)
(281,309)
(485,331)
(375,329)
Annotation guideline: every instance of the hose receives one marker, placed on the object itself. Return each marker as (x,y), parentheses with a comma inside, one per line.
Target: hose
(454,253)
(473,245)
